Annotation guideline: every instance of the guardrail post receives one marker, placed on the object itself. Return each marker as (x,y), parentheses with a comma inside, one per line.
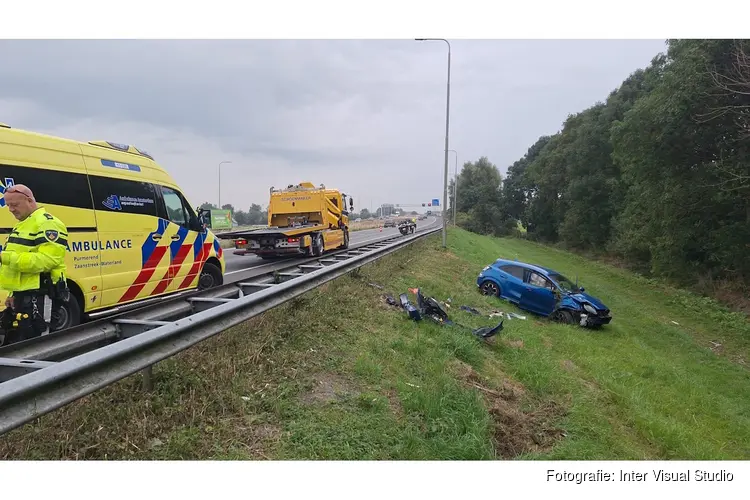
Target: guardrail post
(148,378)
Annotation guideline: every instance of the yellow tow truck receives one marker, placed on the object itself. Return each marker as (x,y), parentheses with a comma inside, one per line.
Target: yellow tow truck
(303,220)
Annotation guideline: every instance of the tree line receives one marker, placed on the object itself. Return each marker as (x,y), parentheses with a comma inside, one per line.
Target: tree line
(258,216)
(657,175)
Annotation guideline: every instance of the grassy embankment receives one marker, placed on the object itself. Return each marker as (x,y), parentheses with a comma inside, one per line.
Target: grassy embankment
(339,374)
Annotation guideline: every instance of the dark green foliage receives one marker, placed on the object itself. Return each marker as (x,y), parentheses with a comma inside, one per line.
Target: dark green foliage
(480,199)
(658,174)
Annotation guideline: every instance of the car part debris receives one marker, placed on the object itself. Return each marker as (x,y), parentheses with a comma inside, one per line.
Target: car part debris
(390,300)
(470,310)
(409,307)
(375,285)
(487,332)
(431,309)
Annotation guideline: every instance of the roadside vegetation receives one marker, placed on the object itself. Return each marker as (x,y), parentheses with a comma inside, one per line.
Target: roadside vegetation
(654,177)
(340,374)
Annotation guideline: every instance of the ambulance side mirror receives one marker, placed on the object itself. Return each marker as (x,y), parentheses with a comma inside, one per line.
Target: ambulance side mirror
(195,224)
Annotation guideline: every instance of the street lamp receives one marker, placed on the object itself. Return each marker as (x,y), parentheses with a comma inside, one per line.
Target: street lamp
(447,128)
(455,186)
(220,164)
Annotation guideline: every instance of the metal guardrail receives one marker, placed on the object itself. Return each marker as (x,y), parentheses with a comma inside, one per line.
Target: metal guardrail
(41,375)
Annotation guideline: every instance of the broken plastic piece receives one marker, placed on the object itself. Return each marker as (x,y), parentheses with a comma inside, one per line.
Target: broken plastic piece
(390,300)
(517,316)
(409,307)
(487,332)
(431,308)
(376,285)
(470,309)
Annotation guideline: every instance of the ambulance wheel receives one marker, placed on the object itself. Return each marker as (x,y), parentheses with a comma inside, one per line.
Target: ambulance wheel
(66,315)
(210,277)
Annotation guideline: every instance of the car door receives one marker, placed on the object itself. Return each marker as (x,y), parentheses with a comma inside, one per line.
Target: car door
(187,250)
(131,238)
(512,288)
(537,295)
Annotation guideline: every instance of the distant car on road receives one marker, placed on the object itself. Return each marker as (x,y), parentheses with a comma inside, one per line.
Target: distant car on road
(390,223)
(542,291)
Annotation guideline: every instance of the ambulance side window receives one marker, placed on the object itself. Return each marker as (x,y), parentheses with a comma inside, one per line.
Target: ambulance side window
(123,196)
(175,208)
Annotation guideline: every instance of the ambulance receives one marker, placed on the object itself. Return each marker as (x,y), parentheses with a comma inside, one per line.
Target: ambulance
(132,235)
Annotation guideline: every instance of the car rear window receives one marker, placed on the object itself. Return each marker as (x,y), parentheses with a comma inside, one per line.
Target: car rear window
(516,271)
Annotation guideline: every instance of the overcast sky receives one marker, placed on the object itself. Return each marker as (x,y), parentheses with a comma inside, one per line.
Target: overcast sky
(367,117)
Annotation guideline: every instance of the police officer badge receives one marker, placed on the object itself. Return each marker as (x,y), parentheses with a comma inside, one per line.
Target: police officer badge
(51,235)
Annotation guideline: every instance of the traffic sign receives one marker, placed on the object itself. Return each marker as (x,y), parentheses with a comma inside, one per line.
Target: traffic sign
(435,202)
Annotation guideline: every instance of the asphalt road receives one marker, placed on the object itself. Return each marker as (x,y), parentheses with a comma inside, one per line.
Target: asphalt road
(240,267)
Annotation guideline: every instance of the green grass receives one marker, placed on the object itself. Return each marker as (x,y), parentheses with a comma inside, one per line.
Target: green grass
(339,374)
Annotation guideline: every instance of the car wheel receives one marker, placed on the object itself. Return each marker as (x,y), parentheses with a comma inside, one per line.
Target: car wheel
(210,277)
(490,288)
(563,316)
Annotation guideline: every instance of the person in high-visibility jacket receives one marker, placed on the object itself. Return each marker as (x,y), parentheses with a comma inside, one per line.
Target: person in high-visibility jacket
(32,266)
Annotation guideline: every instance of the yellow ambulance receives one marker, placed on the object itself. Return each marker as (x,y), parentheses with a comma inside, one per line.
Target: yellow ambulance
(132,234)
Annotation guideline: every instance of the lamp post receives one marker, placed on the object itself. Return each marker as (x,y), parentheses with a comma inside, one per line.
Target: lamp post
(455,186)
(447,128)
(220,164)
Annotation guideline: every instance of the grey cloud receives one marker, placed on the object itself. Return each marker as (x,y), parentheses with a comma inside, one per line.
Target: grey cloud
(371,110)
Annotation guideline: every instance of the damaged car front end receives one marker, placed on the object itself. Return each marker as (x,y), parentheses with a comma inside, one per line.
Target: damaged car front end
(542,291)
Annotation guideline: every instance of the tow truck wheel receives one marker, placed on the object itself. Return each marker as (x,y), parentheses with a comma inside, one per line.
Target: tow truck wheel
(346,239)
(318,245)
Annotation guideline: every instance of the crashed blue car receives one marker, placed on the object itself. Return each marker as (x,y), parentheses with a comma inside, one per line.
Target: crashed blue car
(542,291)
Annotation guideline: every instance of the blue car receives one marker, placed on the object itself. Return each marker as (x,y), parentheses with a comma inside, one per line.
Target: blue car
(542,291)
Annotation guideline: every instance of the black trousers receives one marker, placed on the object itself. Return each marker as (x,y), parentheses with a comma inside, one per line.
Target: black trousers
(25,320)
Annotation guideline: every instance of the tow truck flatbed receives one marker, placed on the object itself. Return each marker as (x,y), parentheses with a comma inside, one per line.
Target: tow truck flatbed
(302,220)
(272,231)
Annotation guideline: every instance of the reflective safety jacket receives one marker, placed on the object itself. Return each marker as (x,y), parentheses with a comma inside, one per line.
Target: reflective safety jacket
(36,245)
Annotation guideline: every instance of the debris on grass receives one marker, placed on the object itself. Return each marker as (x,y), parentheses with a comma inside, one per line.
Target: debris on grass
(428,307)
